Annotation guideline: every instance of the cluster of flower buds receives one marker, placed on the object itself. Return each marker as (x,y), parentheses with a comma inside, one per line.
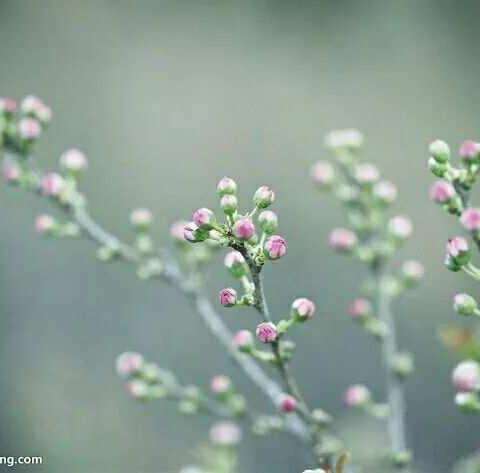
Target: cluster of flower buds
(146,381)
(21,125)
(372,237)
(452,191)
(239,230)
(366,197)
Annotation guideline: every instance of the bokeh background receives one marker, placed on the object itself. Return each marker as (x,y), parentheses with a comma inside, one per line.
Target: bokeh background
(166,97)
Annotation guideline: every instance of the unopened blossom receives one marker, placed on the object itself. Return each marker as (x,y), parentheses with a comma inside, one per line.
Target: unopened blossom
(400,227)
(141,218)
(286,403)
(203,217)
(44,224)
(52,184)
(385,191)
(302,308)
(263,197)
(359,308)
(177,230)
(466,376)
(226,185)
(225,434)
(323,173)
(11,172)
(442,192)
(7,105)
(413,270)
(439,150)
(32,105)
(356,395)
(366,173)
(342,239)
(129,363)
(458,250)
(470,219)
(464,304)
(229,204)
(73,160)
(235,262)
(243,229)
(29,128)
(227,297)
(243,340)
(137,389)
(348,138)
(268,221)
(275,247)
(266,332)
(220,384)
(191,232)
(469,149)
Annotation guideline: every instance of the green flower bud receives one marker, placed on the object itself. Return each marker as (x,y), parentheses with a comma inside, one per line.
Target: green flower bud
(465,304)
(440,151)
(268,222)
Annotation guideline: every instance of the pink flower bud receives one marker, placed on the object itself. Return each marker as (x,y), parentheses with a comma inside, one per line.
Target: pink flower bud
(359,308)
(400,227)
(356,395)
(227,297)
(137,389)
(286,403)
(243,229)
(442,192)
(203,217)
(44,224)
(413,270)
(243,340)
(189,232)
(129,363)
(220,384)
(73,160)
(235,262)
(11,172)
(322,173)
(470,219)
(385,191)
(469,150)
(141,218)
(29,129)
(52,184)
(366,173)
(302,308)
(225,434)
(341,239)
(226,185)
(7,105)
(263,197)
(266,332)
(177,230)
(275,247)
(457,246)
(466,376)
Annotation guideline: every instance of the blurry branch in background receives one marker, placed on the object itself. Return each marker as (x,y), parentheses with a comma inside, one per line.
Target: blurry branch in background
(373,240)
(452,192)
(19,131)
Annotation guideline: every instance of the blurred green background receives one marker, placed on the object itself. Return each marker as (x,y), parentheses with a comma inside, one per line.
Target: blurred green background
(166,97)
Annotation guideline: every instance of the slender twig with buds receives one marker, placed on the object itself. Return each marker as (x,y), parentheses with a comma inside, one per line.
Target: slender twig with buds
(452,192)
(20,128)
(373,240)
